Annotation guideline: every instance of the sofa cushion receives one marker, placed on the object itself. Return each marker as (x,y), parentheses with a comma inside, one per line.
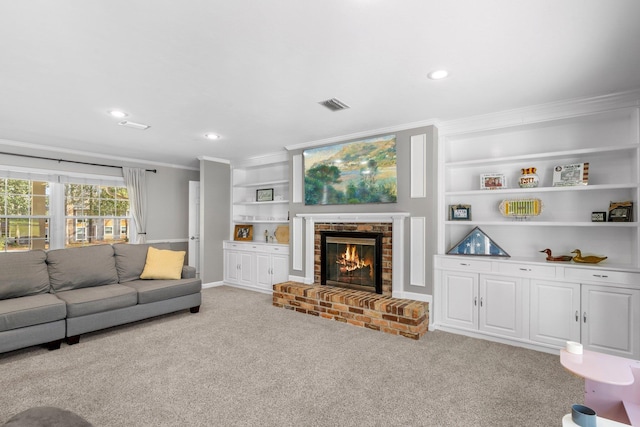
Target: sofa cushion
(97,299)
(75,268)
(159,290)
(131,258)
(163,264)
(30,310)
(23,274)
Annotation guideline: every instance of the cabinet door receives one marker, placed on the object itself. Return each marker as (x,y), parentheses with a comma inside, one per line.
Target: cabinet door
(610,319)
(460,299)
(263,267)
(231,267)
(554,312)
(501,305)
(279,268)
(246,268)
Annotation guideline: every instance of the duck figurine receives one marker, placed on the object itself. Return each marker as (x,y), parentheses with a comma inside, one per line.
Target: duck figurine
(591,259)
(561,258)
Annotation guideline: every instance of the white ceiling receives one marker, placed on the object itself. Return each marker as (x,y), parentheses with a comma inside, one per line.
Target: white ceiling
(254,71)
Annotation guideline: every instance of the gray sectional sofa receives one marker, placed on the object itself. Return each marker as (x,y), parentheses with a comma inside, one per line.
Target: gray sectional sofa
(47,297)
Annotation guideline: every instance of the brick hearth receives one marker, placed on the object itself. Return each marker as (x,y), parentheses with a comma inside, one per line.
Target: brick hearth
(369,310)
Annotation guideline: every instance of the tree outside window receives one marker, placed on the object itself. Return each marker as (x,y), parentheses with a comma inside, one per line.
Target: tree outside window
(24,214)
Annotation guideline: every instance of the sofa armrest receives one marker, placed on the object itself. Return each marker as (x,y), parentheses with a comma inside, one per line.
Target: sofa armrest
(188,272)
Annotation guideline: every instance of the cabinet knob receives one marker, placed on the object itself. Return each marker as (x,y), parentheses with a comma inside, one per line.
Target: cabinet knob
(480,301)
(577,316)
(584,317)
(475,301)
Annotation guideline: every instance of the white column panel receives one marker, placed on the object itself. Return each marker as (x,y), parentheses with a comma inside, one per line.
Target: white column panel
(418,164)
(297,243)
(297,185)
(418,250)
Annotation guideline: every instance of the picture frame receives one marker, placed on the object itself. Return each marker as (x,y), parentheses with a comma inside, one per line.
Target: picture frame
(598,216)
(264,195)
(243,232)
(352,173)
(460,212)
(570,175)
(493,181)
(621,211)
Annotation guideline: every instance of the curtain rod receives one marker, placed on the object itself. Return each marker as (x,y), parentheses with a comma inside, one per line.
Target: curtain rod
(70,161)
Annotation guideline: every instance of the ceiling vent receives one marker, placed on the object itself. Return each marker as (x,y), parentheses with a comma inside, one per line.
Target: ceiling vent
(133,125)
(334,104)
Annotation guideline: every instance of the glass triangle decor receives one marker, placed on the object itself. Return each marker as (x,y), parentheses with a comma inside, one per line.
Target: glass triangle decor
(477,243)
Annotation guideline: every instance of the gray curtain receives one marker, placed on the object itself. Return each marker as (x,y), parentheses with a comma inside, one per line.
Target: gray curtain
(136,182)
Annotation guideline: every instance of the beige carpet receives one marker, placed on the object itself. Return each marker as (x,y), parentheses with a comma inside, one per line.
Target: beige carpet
(241,361)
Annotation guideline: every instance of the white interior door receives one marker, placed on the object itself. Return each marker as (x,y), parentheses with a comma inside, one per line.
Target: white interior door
(194,225)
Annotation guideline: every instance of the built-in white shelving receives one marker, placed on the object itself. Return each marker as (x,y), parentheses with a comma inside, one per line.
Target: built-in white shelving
(606,137)
(258,174)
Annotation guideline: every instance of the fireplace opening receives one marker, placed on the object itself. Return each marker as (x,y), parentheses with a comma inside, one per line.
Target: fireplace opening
(351,260)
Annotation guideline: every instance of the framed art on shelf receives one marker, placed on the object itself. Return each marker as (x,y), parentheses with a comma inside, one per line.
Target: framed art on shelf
(460,212)
(568,175)
(264,195)
(243,232)
(492,181)
(621,211)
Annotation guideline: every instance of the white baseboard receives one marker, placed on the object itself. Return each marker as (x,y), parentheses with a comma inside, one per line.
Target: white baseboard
(250,288)
(298,279)
(212,284)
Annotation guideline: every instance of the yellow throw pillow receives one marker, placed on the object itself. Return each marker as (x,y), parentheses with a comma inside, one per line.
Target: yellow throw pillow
(163,264)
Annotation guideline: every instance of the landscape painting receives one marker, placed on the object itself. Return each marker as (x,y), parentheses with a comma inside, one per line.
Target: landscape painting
(351,173)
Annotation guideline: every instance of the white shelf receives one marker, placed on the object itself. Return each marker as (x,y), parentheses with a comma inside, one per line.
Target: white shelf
(262,183)
(600,187)
(534,223)
(541,156)
(262,221)
(271,202)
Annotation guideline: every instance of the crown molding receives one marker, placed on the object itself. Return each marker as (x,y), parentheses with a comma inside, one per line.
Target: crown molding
(540,113)
(120,159)
(214,159)
(277,157)
(363,134)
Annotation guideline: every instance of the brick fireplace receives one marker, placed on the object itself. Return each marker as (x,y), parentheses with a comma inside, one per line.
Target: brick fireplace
(386,312)
(356,232)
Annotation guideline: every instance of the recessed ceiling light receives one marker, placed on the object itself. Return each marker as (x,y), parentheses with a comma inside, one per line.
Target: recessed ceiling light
(438,74)
(117,113)
(211,136)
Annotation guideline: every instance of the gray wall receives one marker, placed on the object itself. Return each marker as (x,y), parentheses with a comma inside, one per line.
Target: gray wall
(422,207)
(215,217)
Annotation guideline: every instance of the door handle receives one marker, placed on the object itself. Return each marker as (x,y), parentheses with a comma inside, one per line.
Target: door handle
(584,317)
(475,301)
(577,316)
(480,301)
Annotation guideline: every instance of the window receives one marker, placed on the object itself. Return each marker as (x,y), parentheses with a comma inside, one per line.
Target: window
(92,210)
(40,210)
(24,214)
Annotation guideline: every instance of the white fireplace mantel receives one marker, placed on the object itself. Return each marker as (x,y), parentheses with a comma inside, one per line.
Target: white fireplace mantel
(397,242)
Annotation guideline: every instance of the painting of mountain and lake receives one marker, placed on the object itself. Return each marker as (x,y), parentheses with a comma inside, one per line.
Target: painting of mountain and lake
(351,173)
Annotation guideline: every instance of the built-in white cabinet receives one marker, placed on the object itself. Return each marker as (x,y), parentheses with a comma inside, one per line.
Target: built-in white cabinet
(492,304)
(539,304)
(555,312)
(261,195)
(255,266)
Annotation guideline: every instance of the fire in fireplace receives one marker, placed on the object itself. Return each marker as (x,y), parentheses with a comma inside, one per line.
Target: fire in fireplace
(351,260)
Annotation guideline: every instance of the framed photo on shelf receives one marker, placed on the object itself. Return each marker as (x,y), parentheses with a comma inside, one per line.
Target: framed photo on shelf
(492,181)
(621,211)
(243,232)
(598,216)
(568,175)
(460,212)
(264,195)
